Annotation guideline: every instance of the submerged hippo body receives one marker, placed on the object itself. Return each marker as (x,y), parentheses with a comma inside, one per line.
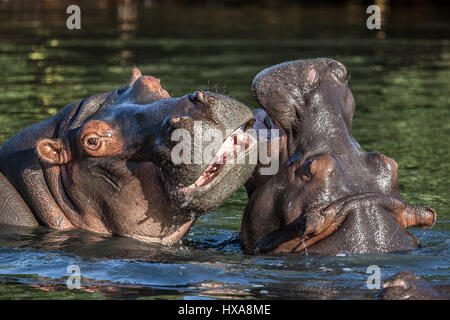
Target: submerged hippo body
(104,164)
(407,286)
(329,195)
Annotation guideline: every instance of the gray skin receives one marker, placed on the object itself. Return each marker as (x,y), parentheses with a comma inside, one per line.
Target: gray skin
(407,286)
(104,164)
(329,195)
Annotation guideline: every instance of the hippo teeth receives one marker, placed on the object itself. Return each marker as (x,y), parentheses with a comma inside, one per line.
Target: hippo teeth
(236,143)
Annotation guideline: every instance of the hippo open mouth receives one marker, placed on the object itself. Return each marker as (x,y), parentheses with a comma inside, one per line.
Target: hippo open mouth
(234,148)
(231,165)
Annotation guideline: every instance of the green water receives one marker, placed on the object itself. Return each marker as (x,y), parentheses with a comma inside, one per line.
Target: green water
(399,77)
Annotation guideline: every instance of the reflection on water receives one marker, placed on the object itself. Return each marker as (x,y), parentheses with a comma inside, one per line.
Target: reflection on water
(400,80)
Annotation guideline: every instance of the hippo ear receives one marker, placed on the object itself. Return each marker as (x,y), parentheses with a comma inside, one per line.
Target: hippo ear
(146,89)
(135,74)
(52,151)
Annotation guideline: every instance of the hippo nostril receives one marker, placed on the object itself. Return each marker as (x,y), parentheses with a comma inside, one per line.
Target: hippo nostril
(198,96)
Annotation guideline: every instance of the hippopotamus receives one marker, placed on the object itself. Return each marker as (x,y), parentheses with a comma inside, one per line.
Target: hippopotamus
(105,163)
(329,195)
(407,286)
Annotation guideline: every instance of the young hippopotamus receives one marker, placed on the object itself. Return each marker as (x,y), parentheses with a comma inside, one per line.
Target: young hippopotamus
(329,195)
(105,163)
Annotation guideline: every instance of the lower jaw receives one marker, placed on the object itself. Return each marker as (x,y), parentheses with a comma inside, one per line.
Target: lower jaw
(215,169)
(201,199)
(166,240)
(392,216)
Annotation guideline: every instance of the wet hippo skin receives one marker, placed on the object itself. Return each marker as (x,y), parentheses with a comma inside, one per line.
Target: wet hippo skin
(329,195)
(407,286)
(104,164)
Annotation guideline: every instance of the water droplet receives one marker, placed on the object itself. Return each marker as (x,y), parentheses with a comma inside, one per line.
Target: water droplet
(347,269)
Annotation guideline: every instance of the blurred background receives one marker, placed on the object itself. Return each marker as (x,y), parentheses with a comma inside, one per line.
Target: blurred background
(399,77)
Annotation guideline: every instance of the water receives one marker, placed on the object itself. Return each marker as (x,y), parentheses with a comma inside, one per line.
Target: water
(399,77)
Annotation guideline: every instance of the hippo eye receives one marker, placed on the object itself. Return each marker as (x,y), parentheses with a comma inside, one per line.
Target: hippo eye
(308,173)
(92,141)
(304,172)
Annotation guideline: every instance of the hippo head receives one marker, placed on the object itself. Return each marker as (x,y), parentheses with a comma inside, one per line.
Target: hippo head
(329,195)
(127,163)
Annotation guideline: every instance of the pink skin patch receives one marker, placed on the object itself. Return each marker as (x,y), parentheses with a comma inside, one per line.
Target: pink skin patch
(154,84)
(311,76)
